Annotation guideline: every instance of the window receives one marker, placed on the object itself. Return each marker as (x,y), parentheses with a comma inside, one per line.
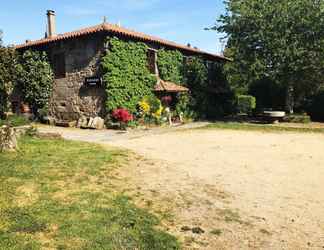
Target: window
(151,58)
(59,65)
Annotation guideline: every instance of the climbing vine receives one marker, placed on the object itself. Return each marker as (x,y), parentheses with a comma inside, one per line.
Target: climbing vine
(126,74)
(170,64)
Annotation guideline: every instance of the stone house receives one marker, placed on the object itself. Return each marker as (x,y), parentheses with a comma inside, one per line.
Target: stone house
(75,59)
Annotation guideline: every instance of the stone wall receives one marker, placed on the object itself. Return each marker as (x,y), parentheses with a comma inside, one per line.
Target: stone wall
(71,98)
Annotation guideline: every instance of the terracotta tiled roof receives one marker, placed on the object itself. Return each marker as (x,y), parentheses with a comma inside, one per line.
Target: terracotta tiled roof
(115,29)
(169,87)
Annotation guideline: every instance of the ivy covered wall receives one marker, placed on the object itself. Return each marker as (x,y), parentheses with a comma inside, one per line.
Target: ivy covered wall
(128,79)
(170,65)
(210,95)
(126,74)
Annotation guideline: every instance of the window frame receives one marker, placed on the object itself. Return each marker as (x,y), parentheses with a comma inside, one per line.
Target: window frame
(152,64)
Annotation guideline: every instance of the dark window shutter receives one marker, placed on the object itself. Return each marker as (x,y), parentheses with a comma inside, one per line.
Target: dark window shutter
(59,65)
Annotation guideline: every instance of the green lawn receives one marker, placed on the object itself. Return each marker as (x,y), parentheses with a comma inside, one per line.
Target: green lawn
(261,127)
(57,194)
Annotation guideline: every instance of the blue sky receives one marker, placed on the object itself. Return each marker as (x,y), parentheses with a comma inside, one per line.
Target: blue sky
(182,21)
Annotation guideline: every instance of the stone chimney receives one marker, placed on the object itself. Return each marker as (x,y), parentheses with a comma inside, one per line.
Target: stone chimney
(51,27)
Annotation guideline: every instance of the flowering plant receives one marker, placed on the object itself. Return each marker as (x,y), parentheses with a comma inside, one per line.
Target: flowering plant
(122,115)
(158,113)
(150,109)
(144,107)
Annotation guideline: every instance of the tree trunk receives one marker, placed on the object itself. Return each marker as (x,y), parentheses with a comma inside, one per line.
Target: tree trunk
(290,99)
(8,140)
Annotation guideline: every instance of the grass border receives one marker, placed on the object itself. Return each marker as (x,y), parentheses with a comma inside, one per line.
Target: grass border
(260,127)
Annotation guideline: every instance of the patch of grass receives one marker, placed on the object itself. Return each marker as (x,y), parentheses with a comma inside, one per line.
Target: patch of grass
(232,216)
(73,205)
(217,232)
(260,127)
(15,121)
(264,231)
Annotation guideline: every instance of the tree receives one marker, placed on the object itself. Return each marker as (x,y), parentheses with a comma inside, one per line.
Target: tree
(35,78)
(281,41)
(8,63)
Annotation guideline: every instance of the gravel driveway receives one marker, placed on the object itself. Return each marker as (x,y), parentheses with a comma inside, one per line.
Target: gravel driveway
(244,190)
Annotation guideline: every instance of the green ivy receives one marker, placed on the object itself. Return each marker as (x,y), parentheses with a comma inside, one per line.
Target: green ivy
(126,74)
(170,64)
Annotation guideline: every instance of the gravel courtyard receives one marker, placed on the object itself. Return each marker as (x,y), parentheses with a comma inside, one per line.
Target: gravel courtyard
(241,189)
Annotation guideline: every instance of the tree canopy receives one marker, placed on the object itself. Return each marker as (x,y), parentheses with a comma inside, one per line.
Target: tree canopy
(281,41)
(8,61)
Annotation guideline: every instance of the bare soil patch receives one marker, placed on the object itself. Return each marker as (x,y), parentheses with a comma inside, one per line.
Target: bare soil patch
(245,190)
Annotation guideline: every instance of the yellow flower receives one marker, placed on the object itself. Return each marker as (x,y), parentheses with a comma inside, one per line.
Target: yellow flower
(158,113)
(145,107)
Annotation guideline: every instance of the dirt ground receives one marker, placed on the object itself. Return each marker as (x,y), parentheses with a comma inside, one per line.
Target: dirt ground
(234,189)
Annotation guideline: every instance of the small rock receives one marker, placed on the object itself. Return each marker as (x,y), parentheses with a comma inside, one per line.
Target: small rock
(98,123)
(185,229)
(82,122)
(90,123)
(197,230)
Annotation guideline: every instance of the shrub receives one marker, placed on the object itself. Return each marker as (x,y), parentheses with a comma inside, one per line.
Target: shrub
(297,118)
(183,106)
(151,109)
(122,115)
(246,104)
(15,121)
(316,108)
(270,95)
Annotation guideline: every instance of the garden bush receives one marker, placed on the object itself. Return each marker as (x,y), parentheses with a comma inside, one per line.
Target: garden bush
(183,106)
(316,107)
(246,104)
(15,121)
(297,118)
(150,109)
(123,116)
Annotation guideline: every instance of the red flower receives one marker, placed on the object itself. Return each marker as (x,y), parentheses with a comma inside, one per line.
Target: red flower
(122,115)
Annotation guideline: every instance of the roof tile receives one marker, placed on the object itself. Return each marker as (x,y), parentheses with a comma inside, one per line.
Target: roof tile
(169,87)
(106,27)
